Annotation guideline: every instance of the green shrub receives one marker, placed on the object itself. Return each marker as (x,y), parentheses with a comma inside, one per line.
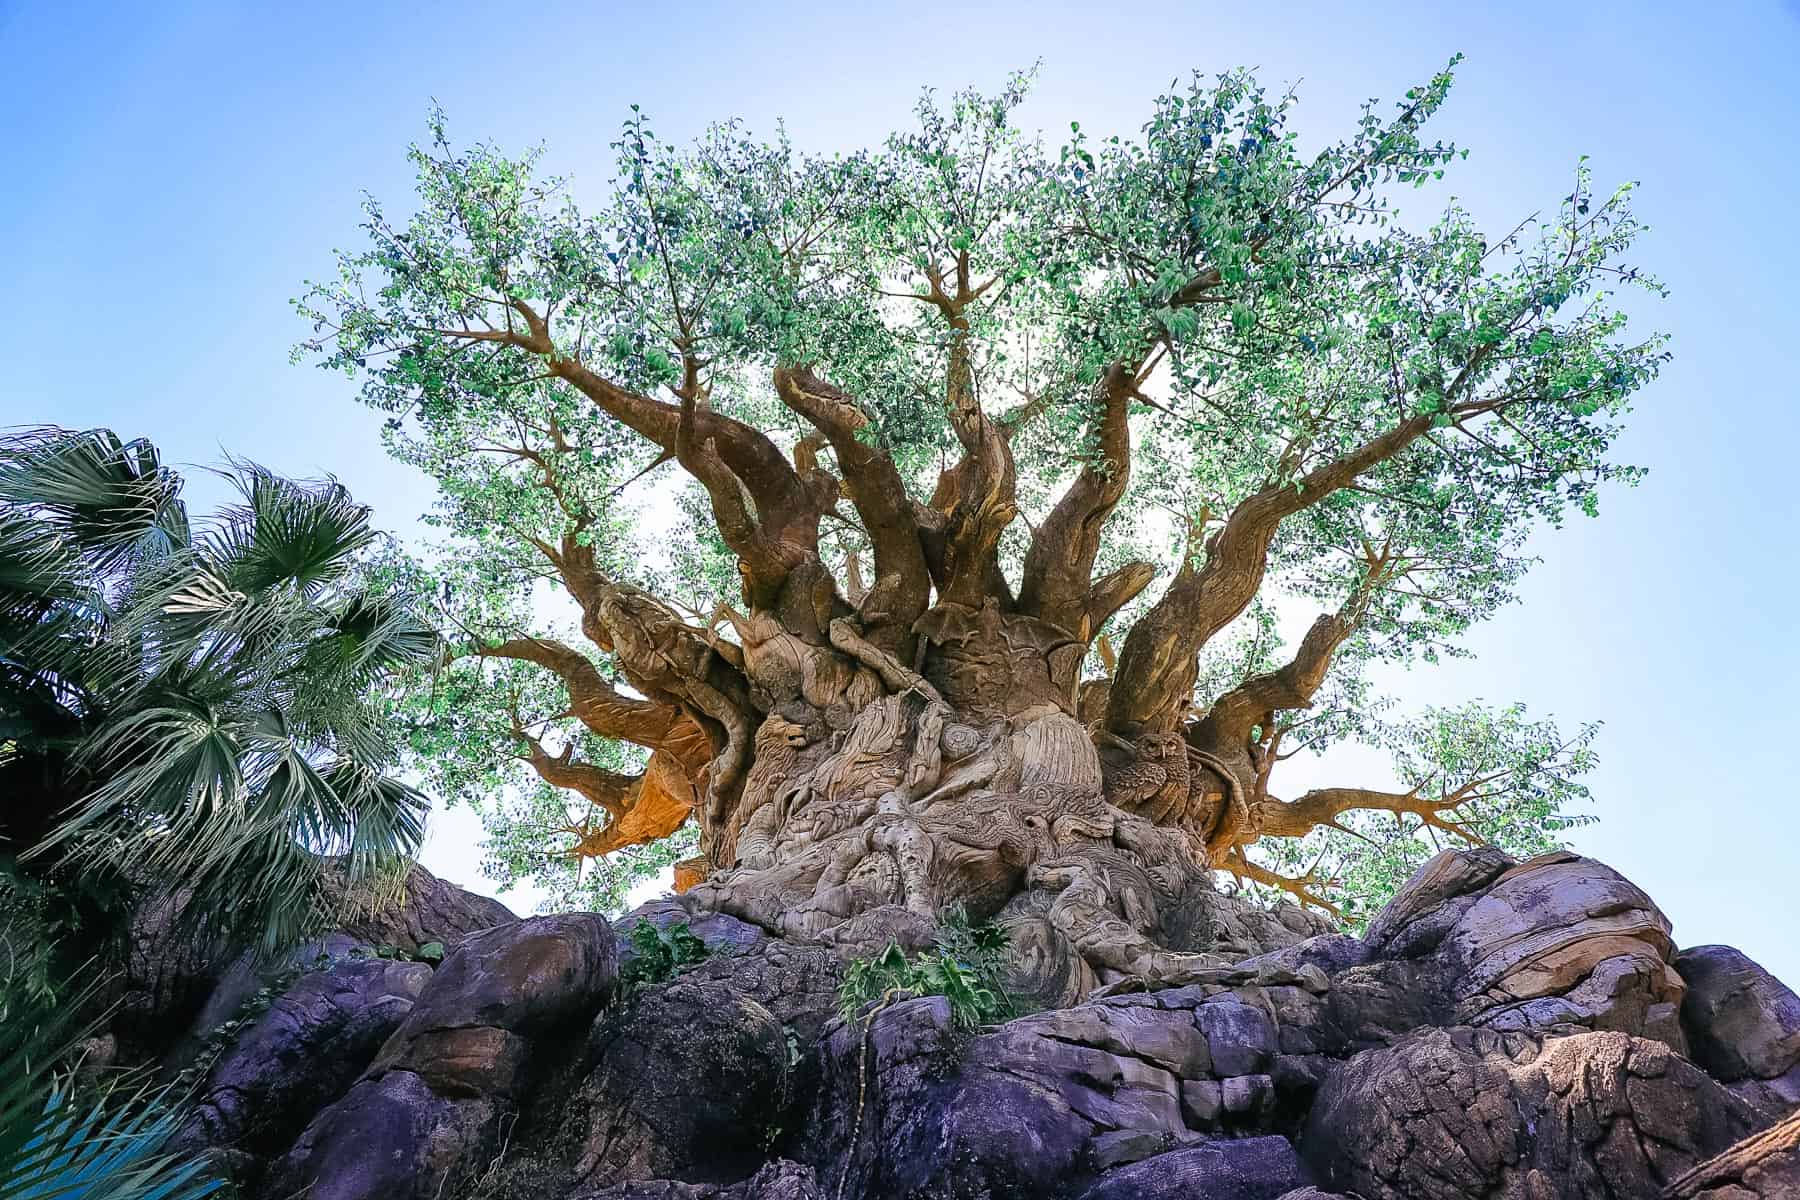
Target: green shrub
(59,1141)
(657,955)
(966,966)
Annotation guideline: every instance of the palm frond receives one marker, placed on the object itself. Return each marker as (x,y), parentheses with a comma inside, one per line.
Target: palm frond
(288,532)
(111,499)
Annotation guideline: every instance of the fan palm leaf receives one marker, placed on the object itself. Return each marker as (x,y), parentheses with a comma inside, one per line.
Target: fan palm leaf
(223,681)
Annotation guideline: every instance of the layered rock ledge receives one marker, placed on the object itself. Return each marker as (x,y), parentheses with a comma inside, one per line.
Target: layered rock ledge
(1502,1031)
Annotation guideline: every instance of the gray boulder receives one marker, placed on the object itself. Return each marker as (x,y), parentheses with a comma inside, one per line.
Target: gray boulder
(428,1111)
(1743,1024)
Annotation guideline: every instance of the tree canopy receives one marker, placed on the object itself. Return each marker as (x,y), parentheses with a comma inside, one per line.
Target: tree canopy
(1077,428)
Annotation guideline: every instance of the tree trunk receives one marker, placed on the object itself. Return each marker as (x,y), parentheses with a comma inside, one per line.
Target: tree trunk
(877,797)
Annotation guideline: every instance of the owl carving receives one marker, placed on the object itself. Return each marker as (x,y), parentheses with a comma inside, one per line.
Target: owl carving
(1154,782)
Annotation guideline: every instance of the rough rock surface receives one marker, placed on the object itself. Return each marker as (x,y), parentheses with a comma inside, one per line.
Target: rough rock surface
(190,993)
(779,1180)
(301,1055)
(432,910)
(1743,1025)
(1259,1168)
(1765,1166)
(1557,940)
(646,1119)
(1449,1114)
(430,1109)
(1503,1031)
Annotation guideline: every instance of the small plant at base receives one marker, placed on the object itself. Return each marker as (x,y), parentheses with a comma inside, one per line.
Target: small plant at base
(657,955)
(966,967)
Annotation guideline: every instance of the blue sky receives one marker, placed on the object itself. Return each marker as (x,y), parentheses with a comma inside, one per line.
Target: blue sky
(175,171)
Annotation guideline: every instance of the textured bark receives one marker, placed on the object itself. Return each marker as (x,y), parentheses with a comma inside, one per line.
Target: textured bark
(968,784)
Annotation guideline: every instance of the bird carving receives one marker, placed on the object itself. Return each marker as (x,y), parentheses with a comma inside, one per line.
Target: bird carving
(1154,781)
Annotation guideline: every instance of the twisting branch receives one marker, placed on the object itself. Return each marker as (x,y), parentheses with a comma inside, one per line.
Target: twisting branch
(902,585)
(978,495)
(1253,703)
(1323,806)
(1060,560)
(603,709)
(1302,887)
(1159,662)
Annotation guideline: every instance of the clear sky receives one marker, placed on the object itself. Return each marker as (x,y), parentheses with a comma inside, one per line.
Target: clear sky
(173,172)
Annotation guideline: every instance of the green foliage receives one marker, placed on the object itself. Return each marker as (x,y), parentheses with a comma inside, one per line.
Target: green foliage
(1521,779)
(1328,316)
(966,966)
(658,955)
(64,1140)
(194,706)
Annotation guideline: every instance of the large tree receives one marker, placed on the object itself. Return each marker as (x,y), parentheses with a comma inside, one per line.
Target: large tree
(960,415)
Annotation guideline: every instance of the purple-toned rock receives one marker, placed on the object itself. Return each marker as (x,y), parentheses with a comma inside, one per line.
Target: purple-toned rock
(1743,1024)
(1258,1168)
(301,1055)
(428,1110)
(1450,1114)
(779,1180)
(428,910)
(1415,921)
(1556,942)
(692,1082)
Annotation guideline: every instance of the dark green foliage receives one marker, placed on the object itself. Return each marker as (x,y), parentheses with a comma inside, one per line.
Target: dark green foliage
(183,706)
(658,955)
(966,966)
(61,1139)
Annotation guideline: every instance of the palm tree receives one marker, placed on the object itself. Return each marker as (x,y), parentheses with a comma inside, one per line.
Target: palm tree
(195,708)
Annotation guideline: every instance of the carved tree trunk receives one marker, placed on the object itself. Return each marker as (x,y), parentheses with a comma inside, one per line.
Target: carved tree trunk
(876,797)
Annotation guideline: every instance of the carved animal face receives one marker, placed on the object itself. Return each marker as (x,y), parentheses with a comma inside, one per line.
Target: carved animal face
(1162,747)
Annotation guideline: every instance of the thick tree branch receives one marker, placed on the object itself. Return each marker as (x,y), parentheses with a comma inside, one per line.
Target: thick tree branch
(1060,560)
(902,585)
(1111,592)
(1323,806)
(1159,662)
(661,800)
(771,491)
(978,495)
(1301,887)
(1235,715)
(606,711)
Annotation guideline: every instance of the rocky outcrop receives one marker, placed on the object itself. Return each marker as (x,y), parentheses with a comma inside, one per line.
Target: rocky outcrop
(643,1116)
(1765,1166)
(1256,1168)
(299,1057)
(1449,1114)
(1743,1025)
(1559,940)
(429,910)
(779,1180)
(428,1112)
(177,992)
(423,914)
(1503,1031)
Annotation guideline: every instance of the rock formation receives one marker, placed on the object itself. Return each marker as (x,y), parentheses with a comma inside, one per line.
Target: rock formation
(1502,1031)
